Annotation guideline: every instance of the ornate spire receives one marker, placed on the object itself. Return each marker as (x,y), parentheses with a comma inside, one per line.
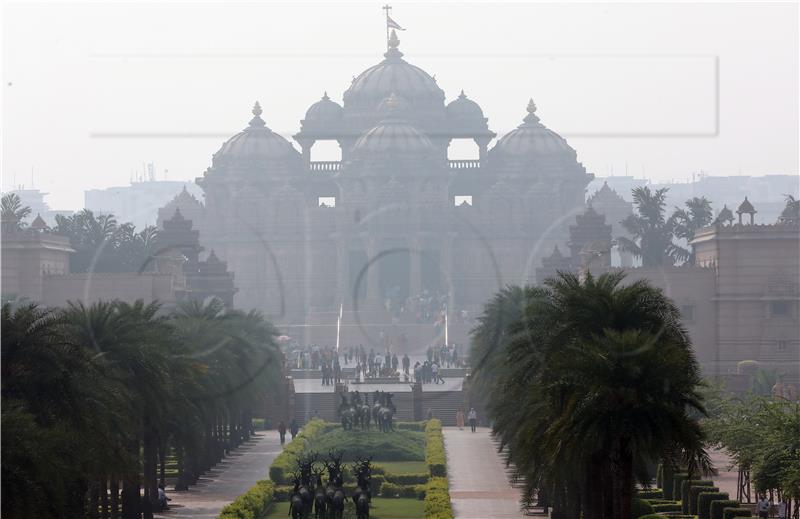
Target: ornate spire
(462,95)
(325,96)
(257,121)
(531,117)
(394,44)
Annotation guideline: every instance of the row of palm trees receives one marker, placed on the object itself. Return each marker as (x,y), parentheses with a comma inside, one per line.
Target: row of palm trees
(589,383)
(96,399)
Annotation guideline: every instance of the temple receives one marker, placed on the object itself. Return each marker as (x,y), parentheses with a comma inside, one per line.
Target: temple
(398,231)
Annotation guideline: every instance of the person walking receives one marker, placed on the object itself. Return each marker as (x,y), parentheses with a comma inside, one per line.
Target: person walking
(460,419)
(762,507)
(783,508)
(282,431)
(406,363)
(473,419)
(294,428)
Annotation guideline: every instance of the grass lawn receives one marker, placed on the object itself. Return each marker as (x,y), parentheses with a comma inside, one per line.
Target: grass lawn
(381,509)
(403,467)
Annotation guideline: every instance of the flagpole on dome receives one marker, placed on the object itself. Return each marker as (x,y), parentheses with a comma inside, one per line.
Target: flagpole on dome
(390,24)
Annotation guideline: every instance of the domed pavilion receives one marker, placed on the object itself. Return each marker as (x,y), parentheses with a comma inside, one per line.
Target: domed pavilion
(397,219)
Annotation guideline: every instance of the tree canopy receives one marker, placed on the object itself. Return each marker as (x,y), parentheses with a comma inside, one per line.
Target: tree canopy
(588,382)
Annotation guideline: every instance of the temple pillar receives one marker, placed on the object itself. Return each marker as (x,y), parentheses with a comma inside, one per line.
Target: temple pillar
(483,146)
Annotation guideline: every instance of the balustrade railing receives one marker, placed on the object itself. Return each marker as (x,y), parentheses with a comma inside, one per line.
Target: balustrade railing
(325,165)
(464,164)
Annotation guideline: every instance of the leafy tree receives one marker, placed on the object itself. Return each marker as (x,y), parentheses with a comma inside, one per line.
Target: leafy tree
(13,210)
(688,221)
(103,245)
(790,213)
(652,231)
(590,382)
(94,397)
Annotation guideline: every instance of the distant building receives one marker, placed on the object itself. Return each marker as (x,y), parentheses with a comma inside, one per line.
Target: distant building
(137,203)
(34,199)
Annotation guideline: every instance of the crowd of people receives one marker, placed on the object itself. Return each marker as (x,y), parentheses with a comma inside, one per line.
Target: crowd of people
(370,364)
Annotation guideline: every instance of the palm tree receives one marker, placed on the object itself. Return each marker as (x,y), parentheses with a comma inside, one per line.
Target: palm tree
(596,379)
(688,221)
(652,232)
(13,210)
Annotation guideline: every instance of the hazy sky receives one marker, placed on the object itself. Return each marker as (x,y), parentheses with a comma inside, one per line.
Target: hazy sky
(91,91)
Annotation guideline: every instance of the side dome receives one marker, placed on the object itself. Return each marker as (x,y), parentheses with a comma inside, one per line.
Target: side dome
(463,108)
(393,75)
(256,145)
(323,110)
(532,140)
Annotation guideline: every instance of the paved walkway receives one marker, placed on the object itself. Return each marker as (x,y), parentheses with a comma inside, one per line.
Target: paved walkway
(479,486)
(232,477)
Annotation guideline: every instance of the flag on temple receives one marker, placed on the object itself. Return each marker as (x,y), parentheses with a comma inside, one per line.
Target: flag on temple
(392,24)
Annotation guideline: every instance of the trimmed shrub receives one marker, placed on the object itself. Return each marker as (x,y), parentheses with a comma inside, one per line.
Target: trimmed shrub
(640,507)
(687,485)
(407,479)
(434,448)
(717,507)
(410,426)
(677,479)
(253,504)
(730,513)
(671,516)
(397,445)
(666,507)
(437,498)
(704,500)
(650,493)
(696,491)
(286,461)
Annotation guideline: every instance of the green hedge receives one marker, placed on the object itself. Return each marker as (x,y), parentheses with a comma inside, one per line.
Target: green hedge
(717,507)
(704,500)
(434,448)
(407,479)
(694,502)
(253,504)
(437,498)
(730,513)
(390,490)
(410,426)
(686,486)
(650,493)
(666,507)
(285,462)
(671,516)
(677,479)
(640,507)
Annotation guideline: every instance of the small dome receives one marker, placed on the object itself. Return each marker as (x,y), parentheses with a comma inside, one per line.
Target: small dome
(464,108)
(393,75)
(531,139)
(392,136)
(255,144)
(324,110)
(746,207)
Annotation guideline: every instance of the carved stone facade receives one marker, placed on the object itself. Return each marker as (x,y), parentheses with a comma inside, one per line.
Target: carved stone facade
(395,217)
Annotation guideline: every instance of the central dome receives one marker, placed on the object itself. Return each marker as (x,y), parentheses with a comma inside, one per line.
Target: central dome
(256,145)
(396,76)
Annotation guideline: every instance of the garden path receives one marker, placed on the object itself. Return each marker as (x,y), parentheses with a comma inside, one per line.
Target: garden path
(479,485)
(225,482)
